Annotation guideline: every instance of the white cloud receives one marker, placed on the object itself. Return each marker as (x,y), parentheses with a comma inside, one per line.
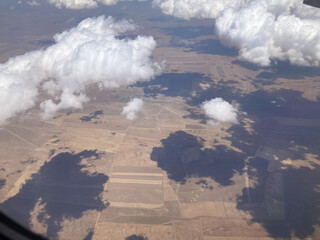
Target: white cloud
(262,30)
(74,4)
(219,111)
(33,3)
(80,4)
(90,53)
(132,108)
(195,8)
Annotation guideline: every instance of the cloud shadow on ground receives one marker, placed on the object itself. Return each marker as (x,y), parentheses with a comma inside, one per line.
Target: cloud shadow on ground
(172,84)
(213,47)
(284,198)
(280,69)
(182,156)
(295,192)
(94,115)
(136,237)
(287,125)
(64,190)
(188,32)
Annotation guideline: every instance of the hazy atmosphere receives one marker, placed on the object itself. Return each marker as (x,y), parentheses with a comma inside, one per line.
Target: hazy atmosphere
(163,119)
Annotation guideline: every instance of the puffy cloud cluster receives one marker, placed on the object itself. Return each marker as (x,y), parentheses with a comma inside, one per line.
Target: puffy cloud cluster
(195,8)
(132,108)
(90,53)
(219,111)
(80,4)
(262,30)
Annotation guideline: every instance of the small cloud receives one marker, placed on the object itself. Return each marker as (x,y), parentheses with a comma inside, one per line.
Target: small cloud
(132,108)
(33,3)
(220,111)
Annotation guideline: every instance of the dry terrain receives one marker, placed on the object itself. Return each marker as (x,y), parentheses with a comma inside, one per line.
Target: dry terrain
(93,174)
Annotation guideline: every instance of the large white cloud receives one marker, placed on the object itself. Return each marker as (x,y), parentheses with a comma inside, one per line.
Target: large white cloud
(220,111)
(132,108)
(262,30)
(90,53)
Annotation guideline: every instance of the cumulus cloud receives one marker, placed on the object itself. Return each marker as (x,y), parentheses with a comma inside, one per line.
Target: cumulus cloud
(80,4)
(132,108)
(262,30)
(195,8)
(90,53)
(220,111)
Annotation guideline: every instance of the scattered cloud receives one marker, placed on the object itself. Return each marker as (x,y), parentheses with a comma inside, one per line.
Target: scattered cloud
(90,53)
(33,3)
(220,111)
(132,108)
(262,30)
(74,4)
(80,4)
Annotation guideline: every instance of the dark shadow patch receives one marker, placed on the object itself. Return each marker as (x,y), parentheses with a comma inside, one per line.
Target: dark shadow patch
(127,36)
(13,173)
(2,183)
(28,161)
(212,46)
(279,103)
(187,32)
(230,82)
(173,84)
(94,115)
(283,198)
(280,69)
(204,184)
(248,65)
(136,237)
(89,235)
(195,113)
(63,188)
(271,111)
(223,91)
(301,200)
(44,43)
(182,156)
(289,71)
(162,18)
(52,152)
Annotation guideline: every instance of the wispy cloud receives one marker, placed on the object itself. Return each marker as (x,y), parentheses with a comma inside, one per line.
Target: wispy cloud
(81,4)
